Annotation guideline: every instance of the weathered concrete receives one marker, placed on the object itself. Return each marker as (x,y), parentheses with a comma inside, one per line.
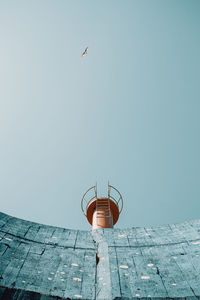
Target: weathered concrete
(46,262)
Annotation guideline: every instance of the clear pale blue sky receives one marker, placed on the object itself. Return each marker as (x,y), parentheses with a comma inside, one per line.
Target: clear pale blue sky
(129,111)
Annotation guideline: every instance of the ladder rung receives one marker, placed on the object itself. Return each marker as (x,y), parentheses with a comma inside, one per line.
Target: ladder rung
(102,201)
(103,207)
(104,217)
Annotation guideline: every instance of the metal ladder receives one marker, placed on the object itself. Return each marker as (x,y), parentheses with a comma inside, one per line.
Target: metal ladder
(103,204)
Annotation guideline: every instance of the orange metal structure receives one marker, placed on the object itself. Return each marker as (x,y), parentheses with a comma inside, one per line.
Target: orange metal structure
(102,212)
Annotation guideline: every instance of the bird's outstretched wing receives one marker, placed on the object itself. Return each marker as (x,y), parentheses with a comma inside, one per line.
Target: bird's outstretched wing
(85,52)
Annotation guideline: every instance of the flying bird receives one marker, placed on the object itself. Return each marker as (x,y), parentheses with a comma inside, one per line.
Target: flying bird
(85,52)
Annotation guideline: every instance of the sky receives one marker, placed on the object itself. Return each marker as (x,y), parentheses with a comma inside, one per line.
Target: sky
(127,112)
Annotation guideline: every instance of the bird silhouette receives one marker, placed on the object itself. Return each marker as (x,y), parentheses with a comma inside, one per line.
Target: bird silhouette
(85,52)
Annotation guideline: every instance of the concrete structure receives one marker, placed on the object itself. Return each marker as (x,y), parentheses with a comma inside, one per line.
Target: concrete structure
(46,262)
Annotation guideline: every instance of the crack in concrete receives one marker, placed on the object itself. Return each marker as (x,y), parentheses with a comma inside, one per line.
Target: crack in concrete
(103,275)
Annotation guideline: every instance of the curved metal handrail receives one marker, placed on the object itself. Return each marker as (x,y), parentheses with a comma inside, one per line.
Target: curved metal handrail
(118,202)
(87,202)
(120,197)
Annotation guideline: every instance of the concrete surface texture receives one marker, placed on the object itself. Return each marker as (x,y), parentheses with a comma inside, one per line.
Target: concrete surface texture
(46,262)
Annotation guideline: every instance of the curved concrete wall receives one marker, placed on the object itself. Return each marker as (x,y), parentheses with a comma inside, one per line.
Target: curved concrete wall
(46,262)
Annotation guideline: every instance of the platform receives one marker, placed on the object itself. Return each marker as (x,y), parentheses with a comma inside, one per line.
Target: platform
(46,262)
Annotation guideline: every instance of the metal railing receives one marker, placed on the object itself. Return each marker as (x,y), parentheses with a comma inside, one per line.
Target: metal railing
(113,194)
